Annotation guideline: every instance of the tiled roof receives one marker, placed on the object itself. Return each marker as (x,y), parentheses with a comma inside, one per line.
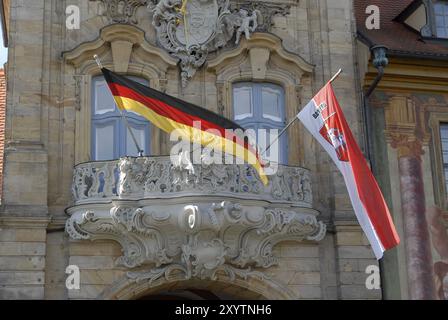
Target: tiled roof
(398,37)
(2,123)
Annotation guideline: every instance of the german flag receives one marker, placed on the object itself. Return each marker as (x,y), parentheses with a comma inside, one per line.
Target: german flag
(169,113)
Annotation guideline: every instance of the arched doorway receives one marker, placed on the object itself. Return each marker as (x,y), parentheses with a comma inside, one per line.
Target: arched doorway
(187,294)
(178,288)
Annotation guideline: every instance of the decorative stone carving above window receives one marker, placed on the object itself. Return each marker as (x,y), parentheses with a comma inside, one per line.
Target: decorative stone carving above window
(225,24)
(267,11)
(208,26)
(121,11)
(115,45)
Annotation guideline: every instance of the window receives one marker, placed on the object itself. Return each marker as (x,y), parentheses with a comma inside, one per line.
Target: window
(444,143)
(110,136)
(441,15)
(261,106)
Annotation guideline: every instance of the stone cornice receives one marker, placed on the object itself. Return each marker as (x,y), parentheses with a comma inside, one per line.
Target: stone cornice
(28,222)
(410,75)
(117,33)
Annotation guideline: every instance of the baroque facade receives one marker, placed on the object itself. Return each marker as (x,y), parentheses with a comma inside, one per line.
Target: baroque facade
(142,227)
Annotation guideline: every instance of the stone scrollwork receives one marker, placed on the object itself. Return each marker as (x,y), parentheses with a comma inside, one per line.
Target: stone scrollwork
(208,26)
(223,239)
(74,226)
(211,25)
(196,220)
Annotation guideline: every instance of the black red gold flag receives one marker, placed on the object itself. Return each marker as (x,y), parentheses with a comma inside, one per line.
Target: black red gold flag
(170,113)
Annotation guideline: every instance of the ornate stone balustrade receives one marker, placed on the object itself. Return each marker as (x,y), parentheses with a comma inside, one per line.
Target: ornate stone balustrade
(157,177)
(202,222)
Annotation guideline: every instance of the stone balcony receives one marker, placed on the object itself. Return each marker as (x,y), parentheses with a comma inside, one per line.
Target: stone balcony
(198,222)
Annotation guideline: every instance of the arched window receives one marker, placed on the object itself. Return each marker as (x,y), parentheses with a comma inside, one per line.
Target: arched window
(441,17)
(261,106)
(110,137)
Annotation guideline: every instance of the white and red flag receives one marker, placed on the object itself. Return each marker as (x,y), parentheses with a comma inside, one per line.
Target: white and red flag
(323,117)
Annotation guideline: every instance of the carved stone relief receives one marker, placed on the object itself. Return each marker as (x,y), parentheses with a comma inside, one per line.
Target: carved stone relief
(121,11)
(266,10)
(191,32)
(204,27)
(158,177)
(200,241)
(131,201)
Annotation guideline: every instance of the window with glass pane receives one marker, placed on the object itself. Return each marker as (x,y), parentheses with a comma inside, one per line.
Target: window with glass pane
(242,101)
(271,99)
(111,138)
(444,138)
(261,106)
(441,14)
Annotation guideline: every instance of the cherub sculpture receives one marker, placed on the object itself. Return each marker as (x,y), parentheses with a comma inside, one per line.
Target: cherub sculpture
(248,24)
(162,11)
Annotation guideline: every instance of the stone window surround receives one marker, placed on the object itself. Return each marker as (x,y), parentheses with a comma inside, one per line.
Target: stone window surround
(440,192)
(257,118)
(263,59)
(123,49)
(444,4)
(113,117)
(429,30)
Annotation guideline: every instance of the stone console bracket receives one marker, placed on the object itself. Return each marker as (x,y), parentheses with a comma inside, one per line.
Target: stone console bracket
(200,222)
(200,240)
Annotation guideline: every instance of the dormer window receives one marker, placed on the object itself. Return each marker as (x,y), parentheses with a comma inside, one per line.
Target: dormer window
(428,17)
(441,19)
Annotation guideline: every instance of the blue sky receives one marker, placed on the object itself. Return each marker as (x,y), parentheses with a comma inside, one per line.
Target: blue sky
(3,51)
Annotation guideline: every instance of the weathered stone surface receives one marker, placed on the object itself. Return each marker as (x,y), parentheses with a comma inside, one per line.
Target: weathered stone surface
(11,263)
(312,278)
(359,292)
(22,293)
(86,292)
(359,252)
(22,249)
(21,278)
(84,248)
(93,262)
(306,292)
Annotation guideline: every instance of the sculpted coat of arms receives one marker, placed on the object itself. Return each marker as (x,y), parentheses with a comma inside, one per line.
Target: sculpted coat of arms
(190,29)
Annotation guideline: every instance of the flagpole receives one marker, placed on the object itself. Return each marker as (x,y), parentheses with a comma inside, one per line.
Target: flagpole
(335,75)
(140,151)
(279,135)
(295,118)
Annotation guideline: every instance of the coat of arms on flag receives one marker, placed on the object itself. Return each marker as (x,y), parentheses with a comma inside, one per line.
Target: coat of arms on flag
(333,134)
